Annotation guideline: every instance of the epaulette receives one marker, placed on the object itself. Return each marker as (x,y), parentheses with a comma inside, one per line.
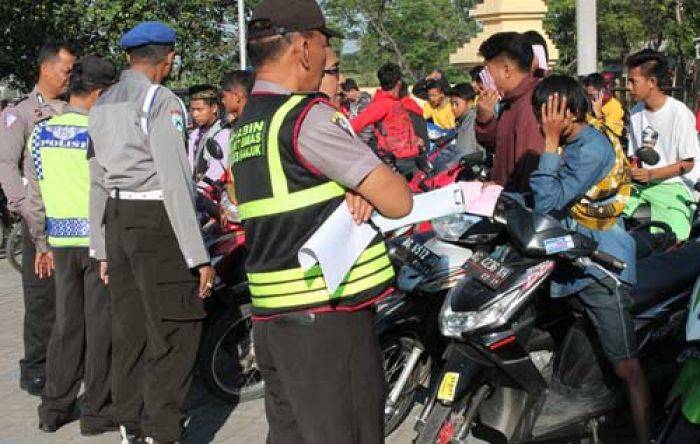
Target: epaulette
(16,101)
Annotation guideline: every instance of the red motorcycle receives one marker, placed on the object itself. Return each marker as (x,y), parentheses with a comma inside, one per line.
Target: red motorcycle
(226,360)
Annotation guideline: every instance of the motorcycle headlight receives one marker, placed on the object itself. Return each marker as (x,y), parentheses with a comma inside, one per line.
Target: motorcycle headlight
(452,227)
(497,311)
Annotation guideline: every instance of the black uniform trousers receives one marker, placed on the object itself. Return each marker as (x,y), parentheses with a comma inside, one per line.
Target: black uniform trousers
(39,312)
(80,348)
(323,375)
(157,318)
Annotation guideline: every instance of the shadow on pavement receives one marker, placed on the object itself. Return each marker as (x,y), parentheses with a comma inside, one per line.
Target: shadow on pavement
(207,414)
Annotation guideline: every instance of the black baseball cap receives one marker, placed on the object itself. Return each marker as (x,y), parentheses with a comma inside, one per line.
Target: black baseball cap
(279,17)
(349,85)
(463,90)
(96,70)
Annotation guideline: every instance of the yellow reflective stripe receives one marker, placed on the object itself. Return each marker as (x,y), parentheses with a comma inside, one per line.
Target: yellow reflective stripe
(318,282)
(290,201)
(293,274)
(319,296)
(274,160)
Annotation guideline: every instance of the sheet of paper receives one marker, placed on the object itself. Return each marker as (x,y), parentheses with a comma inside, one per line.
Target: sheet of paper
(336,245)
(338,242)
(426,206)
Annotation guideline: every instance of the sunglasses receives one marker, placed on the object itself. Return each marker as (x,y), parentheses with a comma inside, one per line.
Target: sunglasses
(334,71)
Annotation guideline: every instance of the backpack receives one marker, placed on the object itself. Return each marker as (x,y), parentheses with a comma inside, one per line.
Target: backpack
(395,133)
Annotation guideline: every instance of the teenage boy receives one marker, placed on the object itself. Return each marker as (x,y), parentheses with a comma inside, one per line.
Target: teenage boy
(666,125)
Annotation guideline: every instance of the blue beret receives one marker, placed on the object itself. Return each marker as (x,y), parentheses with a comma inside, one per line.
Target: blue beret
(148,33)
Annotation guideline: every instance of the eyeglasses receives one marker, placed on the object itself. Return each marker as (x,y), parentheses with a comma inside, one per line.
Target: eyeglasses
(334,71)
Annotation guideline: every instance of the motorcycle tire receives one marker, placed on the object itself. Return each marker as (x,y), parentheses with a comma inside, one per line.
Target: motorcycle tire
(224,340)
(13,249)
(395,351)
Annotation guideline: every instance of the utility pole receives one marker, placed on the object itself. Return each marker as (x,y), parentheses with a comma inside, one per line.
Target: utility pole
(241,34)
(586,37)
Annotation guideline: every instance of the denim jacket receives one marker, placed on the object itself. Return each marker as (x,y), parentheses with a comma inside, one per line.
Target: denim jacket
(558,182)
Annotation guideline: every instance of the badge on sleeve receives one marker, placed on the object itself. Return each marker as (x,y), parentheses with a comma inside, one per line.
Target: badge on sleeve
(10,119)
(178,121)
(342,122)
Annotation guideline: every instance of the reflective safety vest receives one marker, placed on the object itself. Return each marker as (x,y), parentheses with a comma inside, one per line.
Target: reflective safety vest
(58,147)
(282,203)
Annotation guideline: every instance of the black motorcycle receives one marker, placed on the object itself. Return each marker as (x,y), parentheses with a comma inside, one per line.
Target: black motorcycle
(523,367)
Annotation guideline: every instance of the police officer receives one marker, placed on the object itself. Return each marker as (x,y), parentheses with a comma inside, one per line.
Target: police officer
(55,64)
(143,227)
(59,187)
(295,160)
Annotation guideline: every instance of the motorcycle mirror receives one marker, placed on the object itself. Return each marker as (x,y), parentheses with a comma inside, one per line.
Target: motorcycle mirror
(214,149)
(648,155)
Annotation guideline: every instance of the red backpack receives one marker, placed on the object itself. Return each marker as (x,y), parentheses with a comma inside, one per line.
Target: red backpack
(395,133)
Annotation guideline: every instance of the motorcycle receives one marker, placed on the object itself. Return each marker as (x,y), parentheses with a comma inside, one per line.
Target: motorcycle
(10,235)
(521,366)
(226,359)
(682,409)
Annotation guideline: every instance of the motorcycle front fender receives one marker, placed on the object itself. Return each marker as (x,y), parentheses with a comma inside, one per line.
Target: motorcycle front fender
(457,376)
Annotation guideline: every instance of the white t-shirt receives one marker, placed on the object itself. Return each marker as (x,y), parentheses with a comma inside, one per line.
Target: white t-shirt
(671,132)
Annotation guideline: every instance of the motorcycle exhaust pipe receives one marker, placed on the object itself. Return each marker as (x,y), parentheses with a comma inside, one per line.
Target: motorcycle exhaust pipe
(393,398)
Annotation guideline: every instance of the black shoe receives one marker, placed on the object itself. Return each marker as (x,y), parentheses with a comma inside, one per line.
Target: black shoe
(50,426)
(33,386)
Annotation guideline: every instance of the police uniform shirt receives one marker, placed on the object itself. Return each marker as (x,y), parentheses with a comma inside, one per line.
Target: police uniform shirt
(16,124)
(127,159)
(327,143)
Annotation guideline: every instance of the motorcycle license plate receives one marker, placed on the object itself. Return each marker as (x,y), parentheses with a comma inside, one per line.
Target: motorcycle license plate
(487,270)
(419,256)
(448,387)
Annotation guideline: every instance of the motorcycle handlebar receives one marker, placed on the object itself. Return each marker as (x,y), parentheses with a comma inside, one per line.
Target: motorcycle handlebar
(608,261)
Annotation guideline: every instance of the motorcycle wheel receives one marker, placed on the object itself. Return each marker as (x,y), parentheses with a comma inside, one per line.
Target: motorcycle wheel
(395,352)
(227,359)
(13,250)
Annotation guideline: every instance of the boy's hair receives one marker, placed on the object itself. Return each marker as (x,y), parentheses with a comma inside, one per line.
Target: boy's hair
(238,78)
(462,90)
(512,45)
(595,80)
(435,84)
(207,93)
(653,63)
(535,38)
(474,73)
(576,97)
(388,75)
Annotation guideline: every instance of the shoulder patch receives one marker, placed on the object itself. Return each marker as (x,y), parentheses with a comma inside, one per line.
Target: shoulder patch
(178,120)
(10,119)
(342,122)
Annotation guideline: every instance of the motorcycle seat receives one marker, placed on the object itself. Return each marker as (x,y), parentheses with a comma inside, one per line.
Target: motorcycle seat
(664,274)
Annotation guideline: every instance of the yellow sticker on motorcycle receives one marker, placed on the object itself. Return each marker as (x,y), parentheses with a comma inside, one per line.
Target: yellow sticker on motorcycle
(448,387)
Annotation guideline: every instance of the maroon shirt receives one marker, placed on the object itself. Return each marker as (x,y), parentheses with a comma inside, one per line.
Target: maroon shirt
(515,136)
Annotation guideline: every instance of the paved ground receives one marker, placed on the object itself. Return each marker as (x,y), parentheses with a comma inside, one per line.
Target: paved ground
(211,419)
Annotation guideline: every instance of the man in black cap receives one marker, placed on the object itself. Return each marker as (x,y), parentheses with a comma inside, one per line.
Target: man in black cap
(296,160)
(144,231)
(59,191)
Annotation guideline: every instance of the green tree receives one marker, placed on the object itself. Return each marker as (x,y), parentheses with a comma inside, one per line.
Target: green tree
(625,26)
(206,32)
(419,35)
